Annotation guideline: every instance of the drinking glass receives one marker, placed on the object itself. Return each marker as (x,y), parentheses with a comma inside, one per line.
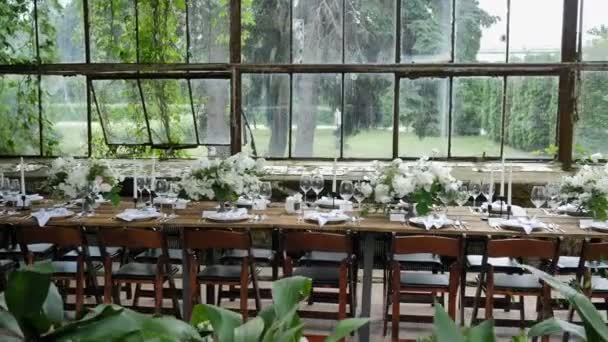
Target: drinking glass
(462,195)
(172,194)
(358,194)
(162,188)
(265,190)
(538,197)
(487,190)
(346,190)
(474,191)
(148,187)
(141,186)
(446,197)
(253,190)
(15,186)
(305,184)
(318,183)
(553,196)
(4,187)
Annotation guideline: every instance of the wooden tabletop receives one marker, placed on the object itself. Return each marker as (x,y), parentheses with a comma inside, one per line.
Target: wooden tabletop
(276,217)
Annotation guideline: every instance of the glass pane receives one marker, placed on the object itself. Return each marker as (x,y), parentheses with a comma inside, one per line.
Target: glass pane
(316,115)
(209,26)
(169,111)
(162,31)
(61,31)
(19,132)
(266,108)
(18,45)
(265,31)
(112,31)
(64,108)
(121,111)
(317,31)
(370,31)
(531,117)
(212,108)
(477,116)
(531,41)
(591,133)
(481,31)
(595,30)
(368,115)
(426,31)
(423,117)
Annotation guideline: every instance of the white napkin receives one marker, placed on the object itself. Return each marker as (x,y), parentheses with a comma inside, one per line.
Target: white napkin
(520,222)
(43,216)
(436,222)
(590,223)
(226,215)
(135,214)
(322,218)
(569,208)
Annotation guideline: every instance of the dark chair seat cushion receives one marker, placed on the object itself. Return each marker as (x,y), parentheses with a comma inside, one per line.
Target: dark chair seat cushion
(151,255)
(321,275)
(94,253)
(36,248)
(261,255)
(521,282)
(230,273)
(68,268)
(569,264)
(322,258)
(424,279)
(599,284)
(504,264)
(7,264)
(419,261)
(138,270)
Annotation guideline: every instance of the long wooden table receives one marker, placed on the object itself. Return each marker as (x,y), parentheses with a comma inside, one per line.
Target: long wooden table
(277,218)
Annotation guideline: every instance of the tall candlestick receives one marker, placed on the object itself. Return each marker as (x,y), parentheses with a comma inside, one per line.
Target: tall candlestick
(134,187)
(153,175)
(510,186)
(333,183)
(502,179)
(491,183)
(22,167)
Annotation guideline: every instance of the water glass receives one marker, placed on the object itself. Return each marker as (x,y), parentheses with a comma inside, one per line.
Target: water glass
(358,193)
(487,190)
(474,191)
(265,190)
(346,190)
(538,197)
(318,183)
(162,188)
(305,184)
(553,196)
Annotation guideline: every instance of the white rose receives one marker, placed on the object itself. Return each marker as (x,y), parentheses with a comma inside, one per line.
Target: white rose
(595,157)
(382,193)
(105,187)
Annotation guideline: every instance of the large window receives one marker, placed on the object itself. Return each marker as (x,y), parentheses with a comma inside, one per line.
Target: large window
(349,79)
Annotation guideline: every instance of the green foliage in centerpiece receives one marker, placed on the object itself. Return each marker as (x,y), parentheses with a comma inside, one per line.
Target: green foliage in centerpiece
(588,190)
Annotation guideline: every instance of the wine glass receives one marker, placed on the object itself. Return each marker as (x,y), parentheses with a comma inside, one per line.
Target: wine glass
(141,186)
(446,197)
(487,190)
(318,183)
(461,198)
(162,188)
(172,193)
(346,190)
(305,184)
(538,197)
(553,196)
(265,191)
(15,187)
(253,190)
(359,194)
(148,187)
(474,191)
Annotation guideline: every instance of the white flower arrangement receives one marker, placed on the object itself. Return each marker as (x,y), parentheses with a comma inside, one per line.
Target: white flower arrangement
(420,182)
(223,180)
(588,190)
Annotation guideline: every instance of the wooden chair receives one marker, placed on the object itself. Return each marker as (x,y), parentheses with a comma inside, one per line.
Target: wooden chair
(522,285)
(134,272)
(196,242)
(421,283)
(323,276)
(62,270)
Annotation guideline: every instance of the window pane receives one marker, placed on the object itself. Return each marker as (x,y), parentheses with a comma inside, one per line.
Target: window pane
(481,31)
(162,31)
(370,31)
(595,30)
(317,36)
(266,107)
(368,115)
(64,107)
(531,41)
(476,116)
(316,115)
(112,31)
(18,45)
(426,31)
(591,133)
(121,111)
(19,132)
(423,122)
(212,109)
(265,31)
(169,111)
(531,117)
(209,31)
(61,31)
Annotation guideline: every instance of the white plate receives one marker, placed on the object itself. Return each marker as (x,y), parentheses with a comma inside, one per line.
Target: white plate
(221,217)
(131,215)
(67,214)
(601,226)
(314,216)
(418,221)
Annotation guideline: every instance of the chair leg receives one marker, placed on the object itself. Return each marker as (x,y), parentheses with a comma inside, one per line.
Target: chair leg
(244,284)
(210,294)
(79,287)
(220,292)
(342,295)
(231,288)
(115,288)
(463,294)
(158,295)
(136,295)
(396,302)
(489,296)
(522,312)
(107,287)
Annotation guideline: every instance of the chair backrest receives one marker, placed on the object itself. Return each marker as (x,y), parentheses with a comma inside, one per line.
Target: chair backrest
(296,242)
(443,246)
(61,236)
(595,251)
(216,239)
(131,238)
(523,248)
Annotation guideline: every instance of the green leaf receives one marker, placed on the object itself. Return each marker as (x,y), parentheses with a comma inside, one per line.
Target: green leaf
(484,332)
(53,305)
(345,327)
(171,327)
(9,323)
(445,328)
(250,331)
(223,321)
(289,292)
(554,326)
(26,293)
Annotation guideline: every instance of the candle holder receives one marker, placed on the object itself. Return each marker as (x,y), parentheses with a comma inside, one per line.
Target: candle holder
(23,205)
(135,202)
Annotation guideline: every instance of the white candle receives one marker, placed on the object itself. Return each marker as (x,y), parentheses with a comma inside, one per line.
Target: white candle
(153,175)
(491,183)
(510,186)
(134,187)
(333,183)
(502,179)
(22,177)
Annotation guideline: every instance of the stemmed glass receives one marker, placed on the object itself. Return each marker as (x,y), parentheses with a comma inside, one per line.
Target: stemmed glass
(487,190)
(346,190)
(474,191)
(359,194)
(141,186)
(265,191)
(538,197)
(553,196)
(148,187)
(446,197)
(253,190)
(15,187)
(462,196)
(318,183)
(305,184)
(172,193)
(162,188)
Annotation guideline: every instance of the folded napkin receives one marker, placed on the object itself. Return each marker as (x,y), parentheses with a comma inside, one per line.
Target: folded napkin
(322,218)
(43,216)
(570,208)
(527,225)
(590,223)
(496,206)
(435,221)
(237,213)
(138,214)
